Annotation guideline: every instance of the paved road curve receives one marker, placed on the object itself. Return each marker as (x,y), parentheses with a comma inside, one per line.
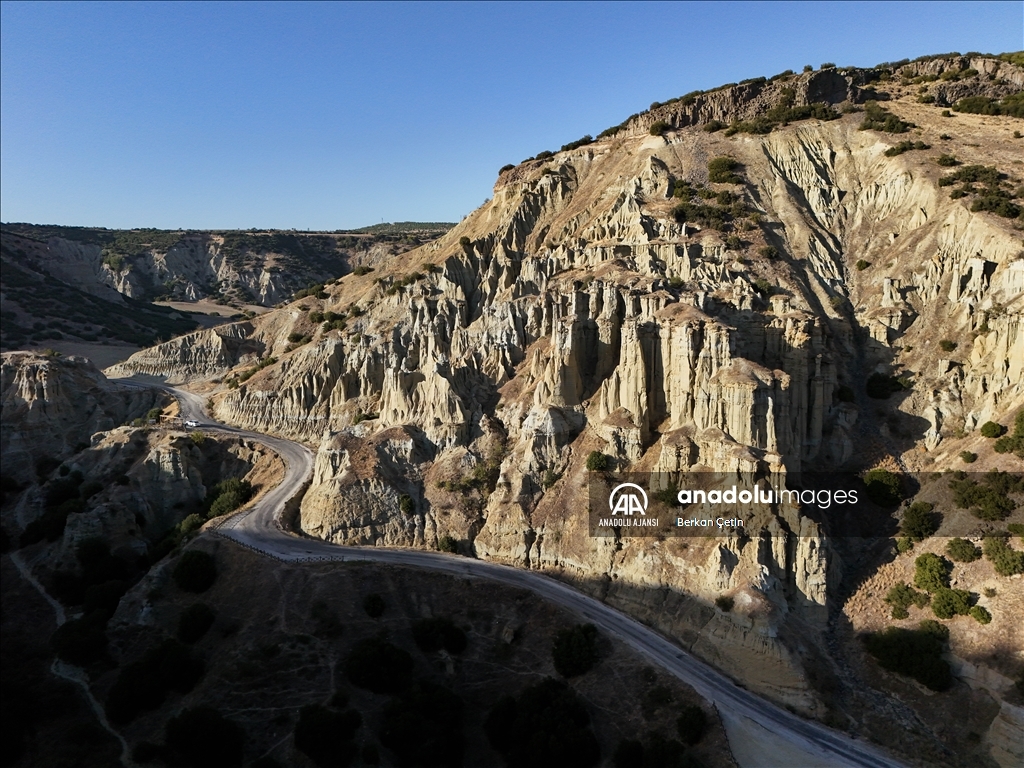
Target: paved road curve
(259,528)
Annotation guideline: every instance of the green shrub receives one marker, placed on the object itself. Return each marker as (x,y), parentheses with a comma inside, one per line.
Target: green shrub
(915,653)
(980,615)
(1005,559)
(1017,529)
(549,720)
(588,139)
(902,596)
(659,127)
(448,544)
(195,572)
(724,603)
(1012,105)
(931,572)
(714,125)
(722,170)
(947,345)
(1015,443)
(963,551)
(379,666)
(845,394)
(883,487)
(947,161)
(575,650)
(326,736)
(904,544)
(990,499)
(968,457)
(203,738)
(691,724)
(505,168)
(597,462)
(877,118)
(947,603)
(992,429)
(919,522)
(406,505)
(769,252)
(191,523)
(362,270)
(436,633)
(905,146)
(194,622)
(862,265)
(374,605)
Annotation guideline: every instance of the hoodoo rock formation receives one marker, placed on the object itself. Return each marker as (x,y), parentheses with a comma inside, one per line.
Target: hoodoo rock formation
(677,297)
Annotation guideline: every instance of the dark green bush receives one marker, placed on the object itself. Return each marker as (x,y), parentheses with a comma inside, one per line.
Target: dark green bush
(448,544)
(992,429)
(947,603)
(724,603)
(714,125)
(588,139)
(862,265)
(374,605)
(947,161)
(980,615)
(931,572)
(326,736)
(504,168)
(1005,559)
(194,622)
(722,170)
(437,633)
(902,596)
(877,118)
(919,522)
(203,738)
(947,345)
(883,487)
(1012,105)
(915,653)
(905,146)
(597,462)
(379,666)
(195,572)
(406,505)
(963,551)
(845,394)
(659,127)
(1015,443)
(228,496)
(575,650)
(769,252)
(990,499)
(548,726)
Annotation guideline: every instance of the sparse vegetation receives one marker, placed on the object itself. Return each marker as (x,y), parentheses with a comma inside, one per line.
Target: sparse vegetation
(723,170)
(1013,443)
(877,118)
(1012,105)
(423,727)
(143,685)
(881,387)
(906,146)
(902,596)
(1005,559)
(988,499)
(947,345)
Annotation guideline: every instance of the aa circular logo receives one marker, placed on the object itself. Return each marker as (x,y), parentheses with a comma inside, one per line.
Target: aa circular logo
(628,499)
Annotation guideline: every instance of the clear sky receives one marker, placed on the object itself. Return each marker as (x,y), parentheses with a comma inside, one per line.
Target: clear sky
(328,116)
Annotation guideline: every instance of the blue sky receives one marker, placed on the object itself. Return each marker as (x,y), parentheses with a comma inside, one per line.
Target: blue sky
(327,116)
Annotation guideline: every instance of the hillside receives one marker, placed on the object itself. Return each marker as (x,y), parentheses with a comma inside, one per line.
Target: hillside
(817,272)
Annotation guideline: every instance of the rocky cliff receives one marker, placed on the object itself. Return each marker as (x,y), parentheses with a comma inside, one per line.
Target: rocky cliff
(677,297)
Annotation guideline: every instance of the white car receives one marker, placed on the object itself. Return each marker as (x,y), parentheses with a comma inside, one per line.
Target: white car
(191,423)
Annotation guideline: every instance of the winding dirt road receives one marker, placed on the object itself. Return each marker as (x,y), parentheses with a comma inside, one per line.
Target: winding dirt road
(780,738)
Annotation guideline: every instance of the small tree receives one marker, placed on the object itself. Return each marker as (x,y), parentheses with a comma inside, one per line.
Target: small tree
(931,572)
(597,462)
(374,605)
(963,551)
(968,457)
(919,522)
(980,615)
(659,127)
(947,603)
(992,429)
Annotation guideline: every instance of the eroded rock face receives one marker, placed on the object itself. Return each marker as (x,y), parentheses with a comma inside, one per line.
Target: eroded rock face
(574,312)
(53,405)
